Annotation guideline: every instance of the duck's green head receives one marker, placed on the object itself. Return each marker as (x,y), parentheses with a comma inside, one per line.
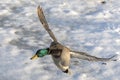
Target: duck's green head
(40,53)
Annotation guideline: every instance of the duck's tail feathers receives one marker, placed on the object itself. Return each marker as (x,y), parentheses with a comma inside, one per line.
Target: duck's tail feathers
(85,56)
(68,71)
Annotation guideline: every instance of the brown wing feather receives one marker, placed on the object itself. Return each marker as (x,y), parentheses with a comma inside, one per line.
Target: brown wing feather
(85,56)
(44,23)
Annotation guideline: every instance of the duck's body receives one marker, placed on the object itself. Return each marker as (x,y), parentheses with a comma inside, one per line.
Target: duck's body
(60,55)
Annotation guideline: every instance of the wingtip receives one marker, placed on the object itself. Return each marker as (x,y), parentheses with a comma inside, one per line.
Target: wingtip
(113,58)
(39,8)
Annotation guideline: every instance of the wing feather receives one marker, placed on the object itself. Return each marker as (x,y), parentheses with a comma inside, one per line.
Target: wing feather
(85,56)
(44,23)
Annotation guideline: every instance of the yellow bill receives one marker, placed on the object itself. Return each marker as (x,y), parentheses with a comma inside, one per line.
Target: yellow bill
(34,57)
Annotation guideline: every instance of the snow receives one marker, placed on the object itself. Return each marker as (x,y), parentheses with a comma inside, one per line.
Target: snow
(82,25)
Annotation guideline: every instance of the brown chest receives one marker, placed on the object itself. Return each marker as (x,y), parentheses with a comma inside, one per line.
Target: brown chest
(56,53)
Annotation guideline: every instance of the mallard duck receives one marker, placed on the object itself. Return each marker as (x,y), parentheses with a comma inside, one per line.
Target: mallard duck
(61,55)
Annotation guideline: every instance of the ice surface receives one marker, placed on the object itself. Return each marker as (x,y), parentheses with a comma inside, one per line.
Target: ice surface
(82,25)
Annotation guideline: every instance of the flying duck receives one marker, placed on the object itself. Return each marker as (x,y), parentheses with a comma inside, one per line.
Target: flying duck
(61,55)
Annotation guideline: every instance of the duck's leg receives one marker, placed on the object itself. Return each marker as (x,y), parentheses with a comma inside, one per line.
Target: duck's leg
(85,56)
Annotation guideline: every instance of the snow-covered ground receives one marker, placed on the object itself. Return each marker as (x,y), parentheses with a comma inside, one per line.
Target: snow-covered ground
(82,25)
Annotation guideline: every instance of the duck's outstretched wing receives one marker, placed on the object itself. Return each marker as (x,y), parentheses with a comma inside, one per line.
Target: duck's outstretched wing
(44,23)
(85,56)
